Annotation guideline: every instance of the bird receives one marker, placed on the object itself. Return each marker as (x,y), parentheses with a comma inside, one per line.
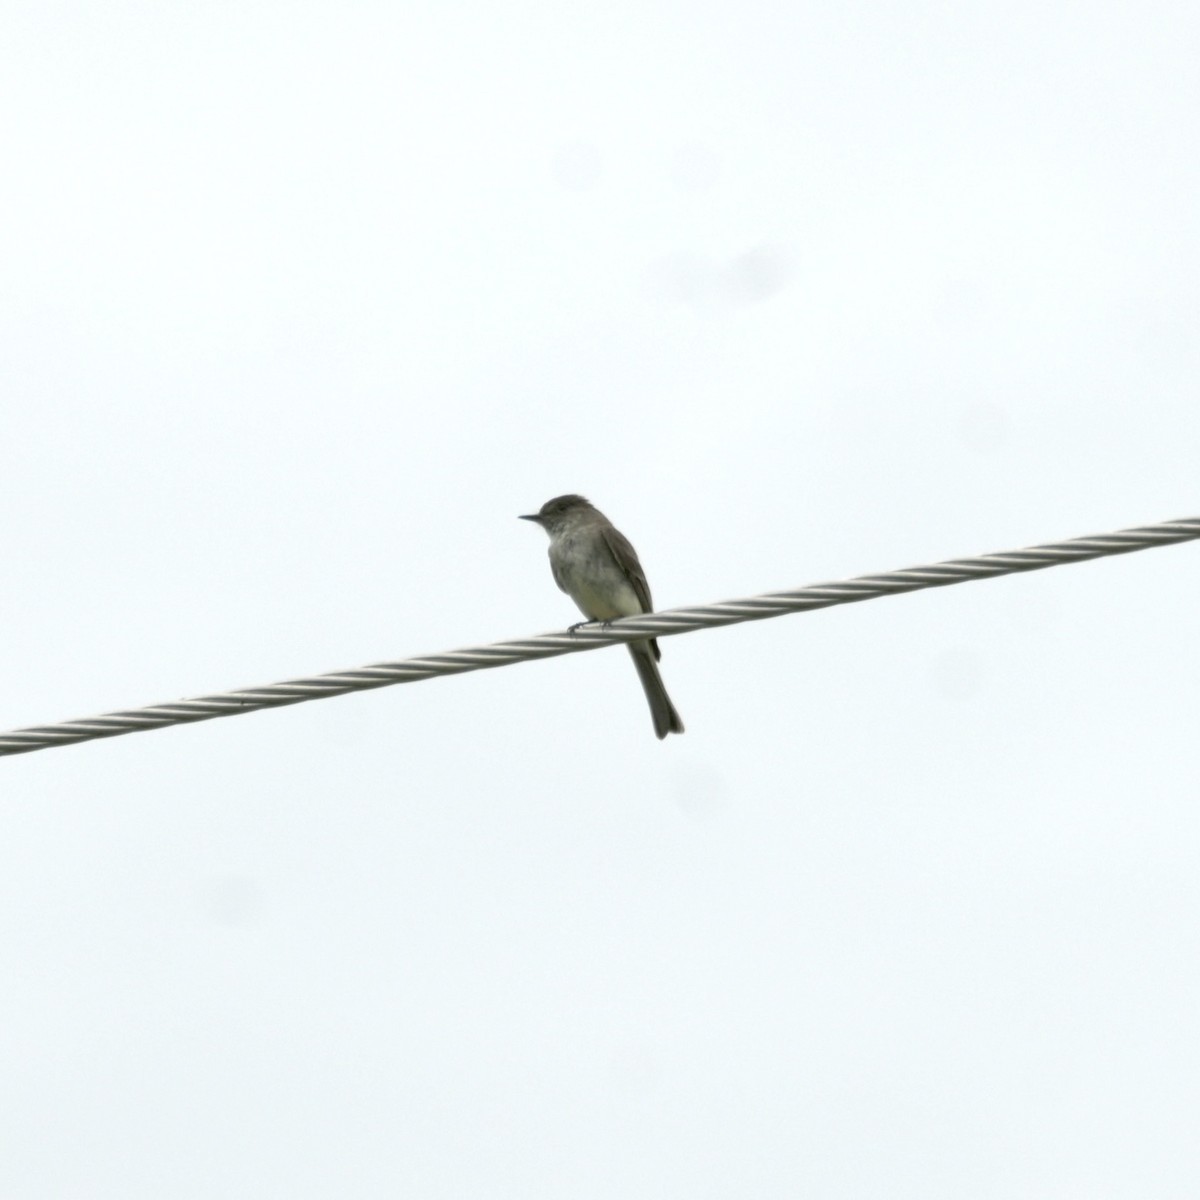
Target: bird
(594,563)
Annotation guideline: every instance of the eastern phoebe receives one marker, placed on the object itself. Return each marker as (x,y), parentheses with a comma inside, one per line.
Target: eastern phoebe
(598,568)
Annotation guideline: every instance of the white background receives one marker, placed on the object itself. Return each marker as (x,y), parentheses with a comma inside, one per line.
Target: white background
(302,304)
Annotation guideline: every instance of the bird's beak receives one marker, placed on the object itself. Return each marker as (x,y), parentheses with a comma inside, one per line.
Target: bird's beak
(530,517)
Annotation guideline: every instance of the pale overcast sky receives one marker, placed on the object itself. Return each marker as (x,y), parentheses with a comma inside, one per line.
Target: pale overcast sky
(302,304)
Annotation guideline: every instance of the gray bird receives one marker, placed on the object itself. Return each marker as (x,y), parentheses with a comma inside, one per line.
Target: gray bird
(597,567)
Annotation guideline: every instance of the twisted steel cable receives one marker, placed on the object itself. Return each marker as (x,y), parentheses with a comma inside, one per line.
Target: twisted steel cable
(593,636)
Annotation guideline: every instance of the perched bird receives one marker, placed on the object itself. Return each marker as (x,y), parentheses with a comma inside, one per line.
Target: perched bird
(597,567)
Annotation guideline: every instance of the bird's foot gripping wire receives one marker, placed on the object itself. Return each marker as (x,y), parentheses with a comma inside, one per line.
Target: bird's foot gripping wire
(580,625)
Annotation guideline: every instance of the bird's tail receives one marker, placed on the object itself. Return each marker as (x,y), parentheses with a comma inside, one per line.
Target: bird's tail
(666,719)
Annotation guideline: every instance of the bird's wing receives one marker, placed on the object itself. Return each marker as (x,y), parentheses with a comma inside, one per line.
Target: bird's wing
(626,558)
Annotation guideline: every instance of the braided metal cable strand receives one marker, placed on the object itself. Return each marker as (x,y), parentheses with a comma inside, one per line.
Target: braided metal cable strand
(593,637)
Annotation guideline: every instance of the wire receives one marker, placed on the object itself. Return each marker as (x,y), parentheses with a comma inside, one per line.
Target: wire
(593,636)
